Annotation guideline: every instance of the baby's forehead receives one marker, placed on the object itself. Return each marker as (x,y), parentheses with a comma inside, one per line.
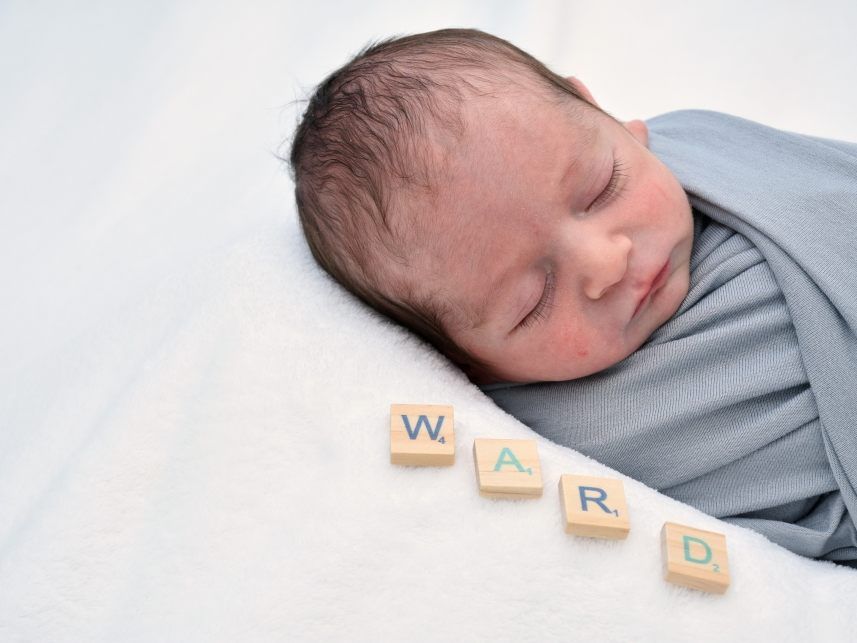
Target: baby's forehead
(517,135)
(509,162)
(500,135)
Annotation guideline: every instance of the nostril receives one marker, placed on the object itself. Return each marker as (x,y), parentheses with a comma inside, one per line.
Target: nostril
(599,293)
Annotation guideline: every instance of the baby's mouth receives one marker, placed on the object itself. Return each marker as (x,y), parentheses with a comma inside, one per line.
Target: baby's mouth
(657,282)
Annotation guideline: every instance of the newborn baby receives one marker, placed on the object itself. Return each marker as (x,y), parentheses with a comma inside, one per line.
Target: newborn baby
(673,299)
(534,237)
(562,240)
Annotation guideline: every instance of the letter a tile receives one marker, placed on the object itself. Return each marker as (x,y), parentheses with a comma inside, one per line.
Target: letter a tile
(422,434)
(695,558)
(507,468)
(593,506)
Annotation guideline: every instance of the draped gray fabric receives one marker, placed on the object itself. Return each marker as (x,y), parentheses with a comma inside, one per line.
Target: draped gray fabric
(744,404)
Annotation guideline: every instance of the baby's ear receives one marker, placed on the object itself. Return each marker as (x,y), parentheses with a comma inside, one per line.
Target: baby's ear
(639,130)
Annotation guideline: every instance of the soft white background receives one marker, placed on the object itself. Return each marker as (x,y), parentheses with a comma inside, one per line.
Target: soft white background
(186,403)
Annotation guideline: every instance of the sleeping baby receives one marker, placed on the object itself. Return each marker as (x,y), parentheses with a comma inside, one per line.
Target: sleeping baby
(619,287)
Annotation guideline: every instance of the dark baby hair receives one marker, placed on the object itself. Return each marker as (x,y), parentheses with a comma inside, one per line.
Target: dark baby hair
(360,157)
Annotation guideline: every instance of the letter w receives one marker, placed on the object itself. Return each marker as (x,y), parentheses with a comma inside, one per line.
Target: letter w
(413,433)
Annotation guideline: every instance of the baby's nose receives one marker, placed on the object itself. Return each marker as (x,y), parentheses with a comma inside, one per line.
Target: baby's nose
(607,267)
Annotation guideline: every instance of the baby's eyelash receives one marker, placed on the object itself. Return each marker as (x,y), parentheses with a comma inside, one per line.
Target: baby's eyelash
(613,187)
(544,306)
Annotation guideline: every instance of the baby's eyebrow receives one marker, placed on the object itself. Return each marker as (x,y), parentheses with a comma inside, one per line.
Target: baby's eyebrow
(481,310)
(491,293)
(575,162)
(589,136)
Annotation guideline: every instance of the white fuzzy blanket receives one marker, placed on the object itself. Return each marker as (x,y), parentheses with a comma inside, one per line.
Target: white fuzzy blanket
(214,465)
(194,421)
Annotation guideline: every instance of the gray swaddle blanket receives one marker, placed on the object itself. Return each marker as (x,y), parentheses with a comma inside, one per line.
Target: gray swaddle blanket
(744,404)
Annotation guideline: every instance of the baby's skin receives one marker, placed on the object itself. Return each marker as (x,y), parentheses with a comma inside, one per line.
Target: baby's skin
(531,228)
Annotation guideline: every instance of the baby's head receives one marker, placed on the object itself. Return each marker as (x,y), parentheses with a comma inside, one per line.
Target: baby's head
(456,185)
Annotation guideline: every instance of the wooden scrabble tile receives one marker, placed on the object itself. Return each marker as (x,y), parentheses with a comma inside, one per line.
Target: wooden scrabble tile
(593,506)
(507,468)
(695,558)
(422,434)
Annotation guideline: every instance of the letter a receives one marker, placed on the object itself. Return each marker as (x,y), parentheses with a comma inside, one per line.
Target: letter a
(512,460)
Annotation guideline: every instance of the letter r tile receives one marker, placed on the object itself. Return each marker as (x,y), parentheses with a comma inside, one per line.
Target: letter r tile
(694,558)
(507,468)
(594,506)
(422,434)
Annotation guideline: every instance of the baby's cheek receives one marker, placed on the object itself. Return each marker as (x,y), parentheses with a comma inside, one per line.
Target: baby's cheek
(578,343)
(581,347)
